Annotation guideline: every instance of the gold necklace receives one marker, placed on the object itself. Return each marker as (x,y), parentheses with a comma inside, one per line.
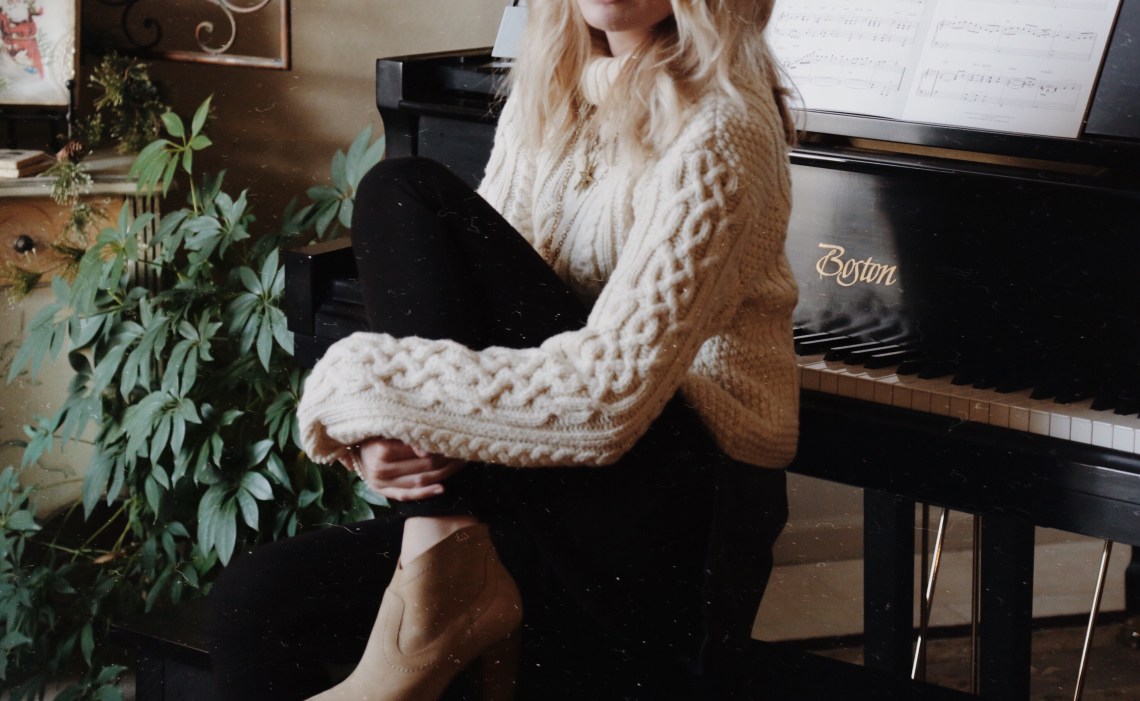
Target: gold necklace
(587,175)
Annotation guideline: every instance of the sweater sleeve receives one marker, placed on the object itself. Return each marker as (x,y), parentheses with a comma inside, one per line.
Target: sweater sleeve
(582,397)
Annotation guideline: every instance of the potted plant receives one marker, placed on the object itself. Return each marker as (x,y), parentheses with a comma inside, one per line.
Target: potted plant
(190,391)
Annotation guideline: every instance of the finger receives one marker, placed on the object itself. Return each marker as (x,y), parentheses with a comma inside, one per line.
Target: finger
(349,458)
(391,471)
(422,478)
(413,494)
(386,450)
(418,486)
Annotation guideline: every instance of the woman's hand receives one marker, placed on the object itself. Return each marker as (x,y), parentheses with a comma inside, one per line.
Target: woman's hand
(400,472)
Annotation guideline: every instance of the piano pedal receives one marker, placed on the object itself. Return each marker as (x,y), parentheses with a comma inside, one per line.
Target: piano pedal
(1130,633)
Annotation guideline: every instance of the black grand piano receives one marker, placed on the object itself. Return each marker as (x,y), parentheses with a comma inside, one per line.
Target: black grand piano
(969,331)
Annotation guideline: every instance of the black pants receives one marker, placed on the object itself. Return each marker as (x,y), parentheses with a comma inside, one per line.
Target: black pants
(640,580)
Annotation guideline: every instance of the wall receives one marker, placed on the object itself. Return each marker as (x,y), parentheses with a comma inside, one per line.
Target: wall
(276,131)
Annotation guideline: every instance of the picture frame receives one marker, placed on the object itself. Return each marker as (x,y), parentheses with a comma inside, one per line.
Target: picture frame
(38,54)
(248,33)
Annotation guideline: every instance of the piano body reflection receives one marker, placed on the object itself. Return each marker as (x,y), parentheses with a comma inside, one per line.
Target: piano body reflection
(969,329)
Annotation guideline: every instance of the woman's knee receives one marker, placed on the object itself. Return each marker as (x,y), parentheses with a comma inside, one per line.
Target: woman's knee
(399,174)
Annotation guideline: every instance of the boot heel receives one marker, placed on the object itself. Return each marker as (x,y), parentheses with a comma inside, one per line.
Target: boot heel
(497,668)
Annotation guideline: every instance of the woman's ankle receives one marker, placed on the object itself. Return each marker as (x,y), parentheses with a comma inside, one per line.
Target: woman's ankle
(423,532)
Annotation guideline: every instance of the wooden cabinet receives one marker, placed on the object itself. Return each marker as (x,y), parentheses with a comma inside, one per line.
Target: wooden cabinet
(29,222)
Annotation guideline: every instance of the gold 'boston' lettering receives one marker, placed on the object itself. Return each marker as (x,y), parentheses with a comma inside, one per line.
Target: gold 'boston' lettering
(849,271)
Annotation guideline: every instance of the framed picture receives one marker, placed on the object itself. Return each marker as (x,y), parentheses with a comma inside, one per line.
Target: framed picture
(252,33)
(38,52)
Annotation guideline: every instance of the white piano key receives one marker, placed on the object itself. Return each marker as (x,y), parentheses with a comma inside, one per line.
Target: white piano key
(902,396)
(1019,418)
(1060,426)
(971,404)
(1123,438)
(921,401)
(1081,430)
(939,404)
(1102,434)
(1039,422)
(828,383)
(884,389)
(809,378)
(999,415)
(959,407)
(865,388)
(980,411)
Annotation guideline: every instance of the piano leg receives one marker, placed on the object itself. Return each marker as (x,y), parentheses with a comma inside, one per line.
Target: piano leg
(1006,607)
(888,582)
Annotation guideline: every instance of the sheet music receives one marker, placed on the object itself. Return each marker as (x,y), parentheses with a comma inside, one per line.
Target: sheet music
(1022,66)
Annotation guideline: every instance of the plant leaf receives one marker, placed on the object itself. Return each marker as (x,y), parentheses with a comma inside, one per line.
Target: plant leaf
(173,124)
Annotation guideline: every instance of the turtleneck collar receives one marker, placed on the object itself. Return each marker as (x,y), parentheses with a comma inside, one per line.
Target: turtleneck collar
(599,76)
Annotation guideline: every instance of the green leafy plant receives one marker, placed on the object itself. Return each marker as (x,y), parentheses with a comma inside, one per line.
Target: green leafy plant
(188,391)
(129,107)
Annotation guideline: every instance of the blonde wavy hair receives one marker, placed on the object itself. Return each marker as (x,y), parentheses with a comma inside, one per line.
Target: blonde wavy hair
(705,42)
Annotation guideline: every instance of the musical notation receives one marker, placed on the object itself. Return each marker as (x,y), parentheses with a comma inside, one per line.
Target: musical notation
(1057,4)
(1023,66)
(1023,40)
(832,70)
(871,29)
(1003,91)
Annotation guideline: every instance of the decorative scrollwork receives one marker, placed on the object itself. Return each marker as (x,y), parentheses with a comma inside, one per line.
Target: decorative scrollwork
(149,23)
(205,31)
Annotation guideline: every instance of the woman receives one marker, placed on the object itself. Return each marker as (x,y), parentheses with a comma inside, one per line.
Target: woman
(613,315)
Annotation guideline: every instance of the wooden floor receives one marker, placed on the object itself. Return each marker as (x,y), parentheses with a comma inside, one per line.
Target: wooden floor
(1113,671)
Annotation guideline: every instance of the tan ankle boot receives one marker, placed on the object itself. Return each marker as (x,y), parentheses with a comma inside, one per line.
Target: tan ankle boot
(449,607)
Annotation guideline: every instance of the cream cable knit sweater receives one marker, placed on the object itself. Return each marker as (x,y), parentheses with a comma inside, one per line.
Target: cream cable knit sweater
(685,256)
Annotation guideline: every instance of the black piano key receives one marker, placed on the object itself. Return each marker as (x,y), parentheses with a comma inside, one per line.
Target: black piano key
(1125,407)
(1104,401)
(1044,390)
(1013,382)
(819,345)
(892,358)
(912,366)
(861,355)
(965,377)
(842,352)
(839,323)
(1076,391)
(934,368)
(1127,402)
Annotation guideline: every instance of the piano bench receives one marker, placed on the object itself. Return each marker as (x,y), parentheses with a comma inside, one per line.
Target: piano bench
(173,659)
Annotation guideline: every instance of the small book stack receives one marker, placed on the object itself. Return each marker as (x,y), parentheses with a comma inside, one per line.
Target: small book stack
(21,163)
